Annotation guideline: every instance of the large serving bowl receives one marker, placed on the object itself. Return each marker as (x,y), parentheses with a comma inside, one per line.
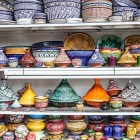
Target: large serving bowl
(46,55)
(96,11)
(84,55)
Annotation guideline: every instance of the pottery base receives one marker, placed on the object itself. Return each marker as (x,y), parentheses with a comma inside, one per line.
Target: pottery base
(95,104)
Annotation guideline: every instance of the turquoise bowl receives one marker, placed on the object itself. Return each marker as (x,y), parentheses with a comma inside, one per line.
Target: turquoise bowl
(37,116)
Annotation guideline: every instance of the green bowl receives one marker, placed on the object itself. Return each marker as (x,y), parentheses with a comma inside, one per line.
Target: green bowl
(136,117)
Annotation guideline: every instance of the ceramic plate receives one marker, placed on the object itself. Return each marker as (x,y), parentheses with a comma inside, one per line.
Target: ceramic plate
(110,42)
(79,41)
(132,40)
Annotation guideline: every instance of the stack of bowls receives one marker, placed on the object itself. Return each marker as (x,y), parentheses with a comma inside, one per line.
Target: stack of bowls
(137,15)
(125,8)
(24,10)
(58,11)
(97,10)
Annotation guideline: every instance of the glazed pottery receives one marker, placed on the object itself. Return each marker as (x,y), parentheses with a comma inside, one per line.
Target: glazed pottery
(27,60)
(117,132)
(96,118)
(62,60)
(84,137)
(79,106)
(3,106)
(38,135)
(41,102)
(98,127)
(98,135)
(136,124)
(111,61)
(113,89)
(122,124)
(55,127)
(105,106)
(15,118)
(21,91)
(107,131)
(79,41)
(7,95)
(96,95)
(130,95)
(96,59)
(8,136)
(127,59)
(76,117)
(96,11)
(37,116)
(64,95)
(115,103)
(28,97)
(136,117)
(3,59)
(76,127)
(84,55)
(115,18)
(15,104)
(91,133)
(13,62)
(55,117)
(3,130)
(12,126)
(31,136)
(117,118)
(53,137)
(21,131)
(35,125)
(131,132)
(73,136)
(77,62)
(132,41)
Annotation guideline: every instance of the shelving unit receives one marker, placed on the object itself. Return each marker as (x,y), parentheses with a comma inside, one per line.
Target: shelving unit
(71,72)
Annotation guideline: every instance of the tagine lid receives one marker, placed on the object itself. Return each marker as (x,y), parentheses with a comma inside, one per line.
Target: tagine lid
(62,57)
(130,93)
(64,93)
(127,57)
(97,57)
(96,93)
(16,104)
(112,86)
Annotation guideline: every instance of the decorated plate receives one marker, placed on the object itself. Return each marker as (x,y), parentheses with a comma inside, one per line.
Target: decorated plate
(110,42)
(132,40)
(79,41)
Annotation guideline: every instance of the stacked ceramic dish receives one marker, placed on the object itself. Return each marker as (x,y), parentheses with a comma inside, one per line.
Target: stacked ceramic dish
(6,11)
(125,8)
(24,10)
(137,15)
(59,11)
(96,11)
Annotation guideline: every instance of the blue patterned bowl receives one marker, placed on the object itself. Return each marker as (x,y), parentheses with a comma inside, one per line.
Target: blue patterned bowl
(37,116)
(49,1)
(117,118)
(96,118)
(18,56)
(84,55)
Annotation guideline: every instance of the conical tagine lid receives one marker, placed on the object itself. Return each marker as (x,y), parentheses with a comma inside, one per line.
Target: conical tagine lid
(27,98)
(96,93)
(64,93)
(130,93)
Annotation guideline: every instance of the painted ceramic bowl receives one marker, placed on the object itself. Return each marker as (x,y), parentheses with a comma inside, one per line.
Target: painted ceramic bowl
(96,127)
(8,135)
(13,62)
(84,55)
(15,118)
(76,117)
(136,117)
(131,104)
(4,17)
(54,117)
(41,105)
(96,118)
(117,118)
(115,18)
(115,103)
(37,116)
(18,56)
(12,126)
(41,98)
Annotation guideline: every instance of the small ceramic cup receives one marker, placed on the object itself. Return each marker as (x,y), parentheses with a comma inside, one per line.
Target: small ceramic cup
(115,103)
(98,135)
(3,106)
(13,62)
(79,106)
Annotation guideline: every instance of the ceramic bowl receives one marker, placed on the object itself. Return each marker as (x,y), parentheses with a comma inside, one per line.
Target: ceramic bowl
(13,62)
(4,17)
(3,106)
(76,117)
(135,52)
(18,56)
(41,98)
(8,135)
(37,116)
(48,1)
(96,127)
(12,126)
(6,12)
(96,118)
(117,118)
(84,55)
(15,118)
(115,18)
(136,117)
(136,124)
(41,105)
(124,8)
(66,12)
(74,20)
(39,21)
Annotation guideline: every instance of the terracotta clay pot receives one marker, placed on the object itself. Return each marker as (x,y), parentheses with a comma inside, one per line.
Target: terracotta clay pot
(76,117)
(55,127)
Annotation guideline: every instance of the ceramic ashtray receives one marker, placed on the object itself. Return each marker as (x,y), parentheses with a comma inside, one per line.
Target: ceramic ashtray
(74,20)
(115,18)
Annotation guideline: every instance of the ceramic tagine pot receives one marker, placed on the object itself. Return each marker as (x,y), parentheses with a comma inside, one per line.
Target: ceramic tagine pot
(3,130)
(21,91)
(64,95)
(36,125)
(96,95)
(127,59)
(28,97)
(113,89)
(27,60)
(130,95)
(3,59)
(7,95)
(55,126)
(62,60)
(96,60)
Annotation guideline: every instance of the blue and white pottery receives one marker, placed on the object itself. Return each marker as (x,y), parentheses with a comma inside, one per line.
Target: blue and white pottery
(117,132)
(137,13)
(18,56)
(6,5)
(6,12)
(13,62)
(124,8)
(3,59)
(39,15)
(37,116)
(49,1)
(8,136)
(3,106)
(74,136)
(84,55)
(115,18)
(107,129)
(96,118)
(117,118)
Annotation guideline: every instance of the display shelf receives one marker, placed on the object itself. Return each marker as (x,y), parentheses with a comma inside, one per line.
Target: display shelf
(69,26)
(71,111)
